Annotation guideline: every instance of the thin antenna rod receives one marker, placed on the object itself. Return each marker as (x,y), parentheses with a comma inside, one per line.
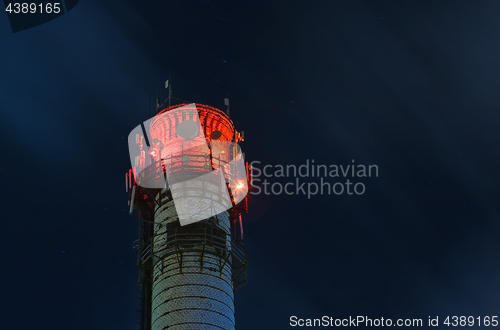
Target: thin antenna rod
(169,90)
(157,102)
(226,102)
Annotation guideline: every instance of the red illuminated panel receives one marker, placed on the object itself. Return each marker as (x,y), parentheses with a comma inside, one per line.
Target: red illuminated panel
(192,154)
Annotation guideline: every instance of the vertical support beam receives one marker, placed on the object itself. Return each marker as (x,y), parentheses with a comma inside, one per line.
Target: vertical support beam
(126,182)
(241,228)
(132,198)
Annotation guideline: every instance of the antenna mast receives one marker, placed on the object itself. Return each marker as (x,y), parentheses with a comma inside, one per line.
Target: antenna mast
(226,103)
(169,86)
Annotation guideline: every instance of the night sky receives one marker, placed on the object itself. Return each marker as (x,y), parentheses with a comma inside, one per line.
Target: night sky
(410,86)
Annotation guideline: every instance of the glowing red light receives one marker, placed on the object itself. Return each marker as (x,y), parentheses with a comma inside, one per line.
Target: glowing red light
(192,153)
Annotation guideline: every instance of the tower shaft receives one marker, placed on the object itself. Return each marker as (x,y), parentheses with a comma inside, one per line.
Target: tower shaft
(192,276)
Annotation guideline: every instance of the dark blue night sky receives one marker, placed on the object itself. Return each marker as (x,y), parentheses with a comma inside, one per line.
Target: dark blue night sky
(411,86)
